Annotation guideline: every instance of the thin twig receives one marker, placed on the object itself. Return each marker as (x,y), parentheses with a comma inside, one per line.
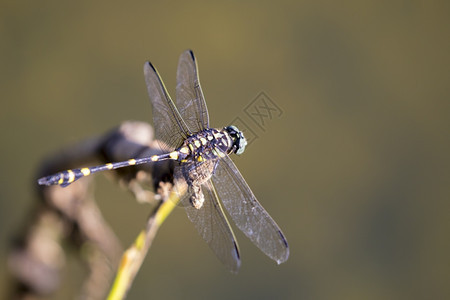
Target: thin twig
(134,256)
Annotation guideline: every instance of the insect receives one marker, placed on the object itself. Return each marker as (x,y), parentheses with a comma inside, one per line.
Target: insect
(202,166)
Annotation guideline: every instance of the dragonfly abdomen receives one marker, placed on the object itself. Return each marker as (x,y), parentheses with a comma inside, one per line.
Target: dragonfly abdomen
(65,178)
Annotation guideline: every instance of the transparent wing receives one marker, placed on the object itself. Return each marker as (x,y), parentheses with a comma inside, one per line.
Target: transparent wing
(190,100)
(169,125)
(212,225)
(247,212)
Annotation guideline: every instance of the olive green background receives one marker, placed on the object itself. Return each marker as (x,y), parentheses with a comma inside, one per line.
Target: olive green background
(355,170)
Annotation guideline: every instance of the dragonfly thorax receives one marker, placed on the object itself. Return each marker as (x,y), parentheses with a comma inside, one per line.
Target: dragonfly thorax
(206,145)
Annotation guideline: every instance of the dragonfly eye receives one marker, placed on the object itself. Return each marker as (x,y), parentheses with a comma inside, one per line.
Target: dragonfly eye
(239,141)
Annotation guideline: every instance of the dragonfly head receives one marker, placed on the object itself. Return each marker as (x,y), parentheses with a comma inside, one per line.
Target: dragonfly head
(239,141)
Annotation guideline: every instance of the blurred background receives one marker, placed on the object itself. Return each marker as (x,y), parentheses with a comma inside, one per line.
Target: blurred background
(354,168)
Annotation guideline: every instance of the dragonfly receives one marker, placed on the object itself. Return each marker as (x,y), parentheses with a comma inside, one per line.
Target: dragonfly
(203,169)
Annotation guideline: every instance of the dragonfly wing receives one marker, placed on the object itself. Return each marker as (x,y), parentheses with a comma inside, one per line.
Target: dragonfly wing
(212,225)
(170,127)
(247,212)
(190,100)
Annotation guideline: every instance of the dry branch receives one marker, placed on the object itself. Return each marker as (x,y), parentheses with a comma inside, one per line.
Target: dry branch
(71,216)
